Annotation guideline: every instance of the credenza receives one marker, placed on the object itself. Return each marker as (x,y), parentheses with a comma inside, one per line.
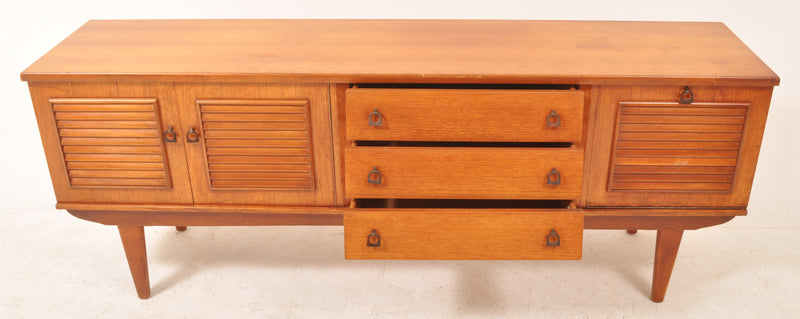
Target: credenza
(426,139)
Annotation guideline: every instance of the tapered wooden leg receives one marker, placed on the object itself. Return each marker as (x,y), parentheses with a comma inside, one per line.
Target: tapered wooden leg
(133,242)
(667,243)
(180,228)
(632,231)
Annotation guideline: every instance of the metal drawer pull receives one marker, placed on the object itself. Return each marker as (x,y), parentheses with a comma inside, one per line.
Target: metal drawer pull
(373,239)
(553,119)
(687,97)
(378,118)
(192,136)
(170,136)
(379,177)
(554,178)
(553,239)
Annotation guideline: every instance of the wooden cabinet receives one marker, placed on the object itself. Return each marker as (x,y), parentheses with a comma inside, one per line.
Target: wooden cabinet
(264,144)
(424,143)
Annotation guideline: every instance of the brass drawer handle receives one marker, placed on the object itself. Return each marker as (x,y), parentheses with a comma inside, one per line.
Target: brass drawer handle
(687,97)
(378,176)
(553,119)
(373,239)
(378,118)
(553,239)
(192,136)
(170,136)
(554,178)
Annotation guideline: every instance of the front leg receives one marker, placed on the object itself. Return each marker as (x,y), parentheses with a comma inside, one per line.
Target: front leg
(135,251)
(667,243)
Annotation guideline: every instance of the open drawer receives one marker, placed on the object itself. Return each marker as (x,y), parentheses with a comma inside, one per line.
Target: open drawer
(487,230)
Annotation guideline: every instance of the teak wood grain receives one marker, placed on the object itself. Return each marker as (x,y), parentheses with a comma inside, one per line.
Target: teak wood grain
(256,159)
(465,115)
(136,253)
(462,234)
(712,165)
(463,172)
(266,122)
(84,154)
(411,51)
(667,243)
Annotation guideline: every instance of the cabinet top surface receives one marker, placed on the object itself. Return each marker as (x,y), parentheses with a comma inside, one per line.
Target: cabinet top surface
(419,51)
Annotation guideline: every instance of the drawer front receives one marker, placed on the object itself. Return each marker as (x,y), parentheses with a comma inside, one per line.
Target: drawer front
(465,115)
(462,234)
(463,172)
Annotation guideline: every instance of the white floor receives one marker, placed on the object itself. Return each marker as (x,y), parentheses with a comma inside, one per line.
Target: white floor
(57,266)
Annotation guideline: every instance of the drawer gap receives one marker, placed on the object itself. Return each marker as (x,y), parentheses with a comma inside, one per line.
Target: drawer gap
(466,86)
(466,144)
(460,203)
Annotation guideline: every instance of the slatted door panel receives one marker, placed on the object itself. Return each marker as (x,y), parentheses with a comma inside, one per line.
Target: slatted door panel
(259,144)
(646,149)
(111,143)
(104,144)
(677,147)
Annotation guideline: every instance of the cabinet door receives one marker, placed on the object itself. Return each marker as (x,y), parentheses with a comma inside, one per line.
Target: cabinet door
(259,144)
(104,143)
(646,149)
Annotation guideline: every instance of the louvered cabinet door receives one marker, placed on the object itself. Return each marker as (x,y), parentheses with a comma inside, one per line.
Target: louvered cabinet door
(648,149)
(104,142)
(259,144)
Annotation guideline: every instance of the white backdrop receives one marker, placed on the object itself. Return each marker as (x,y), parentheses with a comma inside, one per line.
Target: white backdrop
(769,27)
(57,266)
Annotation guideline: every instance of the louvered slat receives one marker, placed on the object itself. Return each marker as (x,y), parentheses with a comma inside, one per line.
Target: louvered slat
(258,144)
(111,143)
(677,147)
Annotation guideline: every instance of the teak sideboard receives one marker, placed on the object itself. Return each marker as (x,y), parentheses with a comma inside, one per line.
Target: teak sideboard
(426,139)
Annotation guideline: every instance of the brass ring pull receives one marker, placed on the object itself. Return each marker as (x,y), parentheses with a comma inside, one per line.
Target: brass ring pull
(192,136)
(687,97)
(553,119)
(553,239)
(170,136)
(373,239)
(378,179)
(378,118)
(554,178)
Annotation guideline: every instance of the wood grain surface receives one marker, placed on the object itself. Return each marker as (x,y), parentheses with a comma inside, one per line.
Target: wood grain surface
(104,146)
(260,143)
(647,150)
(462,234)
(412,51)
(463,172)
(465,115)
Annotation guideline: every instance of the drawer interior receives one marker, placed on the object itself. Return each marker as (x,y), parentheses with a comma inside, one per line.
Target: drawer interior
(466,144)
(473,86)
(459,203)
